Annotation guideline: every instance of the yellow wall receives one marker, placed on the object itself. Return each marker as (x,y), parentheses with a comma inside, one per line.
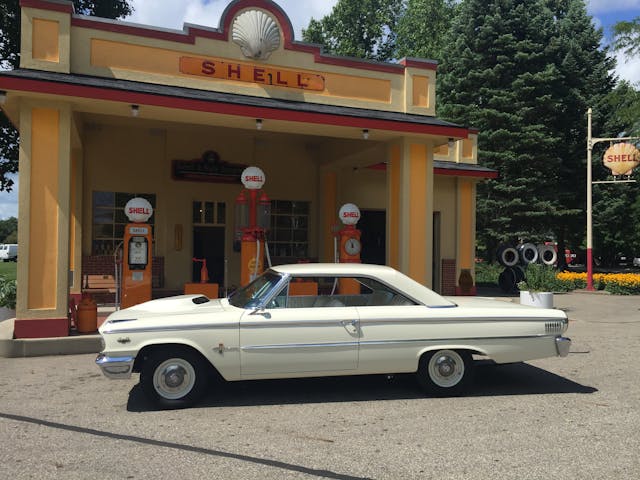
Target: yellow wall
(145,155)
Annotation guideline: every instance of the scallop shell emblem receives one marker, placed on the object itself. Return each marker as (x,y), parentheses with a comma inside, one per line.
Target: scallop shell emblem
(257,34)
(622,158)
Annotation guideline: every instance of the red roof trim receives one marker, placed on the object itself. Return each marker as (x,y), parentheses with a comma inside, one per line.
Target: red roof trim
(190,33)
(464,173)
(446,171)
(419,63)
(44,5)
(68,90)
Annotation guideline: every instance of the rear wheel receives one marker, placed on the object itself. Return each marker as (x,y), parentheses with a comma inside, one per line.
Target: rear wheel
(175,378)
(445,372)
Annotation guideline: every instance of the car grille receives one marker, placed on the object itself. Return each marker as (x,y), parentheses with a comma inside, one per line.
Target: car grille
(556,326)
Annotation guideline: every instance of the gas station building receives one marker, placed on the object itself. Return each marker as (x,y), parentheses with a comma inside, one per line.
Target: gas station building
(109,110)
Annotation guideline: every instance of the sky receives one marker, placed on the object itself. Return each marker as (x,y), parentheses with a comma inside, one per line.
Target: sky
(174,13)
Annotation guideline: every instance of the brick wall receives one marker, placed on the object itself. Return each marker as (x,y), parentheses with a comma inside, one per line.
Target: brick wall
(105,265)
(448,277)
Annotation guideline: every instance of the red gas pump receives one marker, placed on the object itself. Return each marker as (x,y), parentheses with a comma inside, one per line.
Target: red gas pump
(350,246)
(253,217)
(137,258)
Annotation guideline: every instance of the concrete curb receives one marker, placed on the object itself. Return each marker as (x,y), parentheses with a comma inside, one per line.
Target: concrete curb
(37,347)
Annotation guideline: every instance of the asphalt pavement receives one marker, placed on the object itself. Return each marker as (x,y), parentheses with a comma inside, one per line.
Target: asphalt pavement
(559,418)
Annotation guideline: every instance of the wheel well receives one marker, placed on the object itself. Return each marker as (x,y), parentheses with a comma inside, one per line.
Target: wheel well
(148,350)
(471,351)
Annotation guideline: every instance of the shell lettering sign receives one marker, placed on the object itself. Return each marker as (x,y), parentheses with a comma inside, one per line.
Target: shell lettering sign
(621,158)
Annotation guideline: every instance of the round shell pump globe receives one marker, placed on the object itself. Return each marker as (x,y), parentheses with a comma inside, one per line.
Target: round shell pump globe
(138,210)
(253,178)
(349,214)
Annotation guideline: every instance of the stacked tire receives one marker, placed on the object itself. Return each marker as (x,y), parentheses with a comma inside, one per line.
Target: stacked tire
(514,259)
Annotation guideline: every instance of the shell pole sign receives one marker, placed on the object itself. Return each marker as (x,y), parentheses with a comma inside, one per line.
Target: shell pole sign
(621,158)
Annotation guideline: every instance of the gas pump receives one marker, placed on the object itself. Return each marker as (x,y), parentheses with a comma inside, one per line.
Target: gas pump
(253,217)
(349,246)
(137,260)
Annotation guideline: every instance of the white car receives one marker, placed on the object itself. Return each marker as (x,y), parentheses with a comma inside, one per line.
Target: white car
(292,322)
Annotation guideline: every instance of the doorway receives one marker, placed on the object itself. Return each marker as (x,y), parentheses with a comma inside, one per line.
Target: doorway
(208,243)
(373,225)
(436,261)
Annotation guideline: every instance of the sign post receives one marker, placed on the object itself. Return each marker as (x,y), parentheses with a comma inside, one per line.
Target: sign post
(620,159)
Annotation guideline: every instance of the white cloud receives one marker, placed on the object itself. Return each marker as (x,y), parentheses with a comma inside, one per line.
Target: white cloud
(605,6)
(174,13)
(628,68)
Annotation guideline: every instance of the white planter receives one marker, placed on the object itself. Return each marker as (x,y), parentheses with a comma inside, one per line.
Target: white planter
(536,299)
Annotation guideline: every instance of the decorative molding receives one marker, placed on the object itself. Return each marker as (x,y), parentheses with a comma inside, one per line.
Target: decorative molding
(257,34)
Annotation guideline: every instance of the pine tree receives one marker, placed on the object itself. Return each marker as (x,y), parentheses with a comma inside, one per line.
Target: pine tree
(523,72)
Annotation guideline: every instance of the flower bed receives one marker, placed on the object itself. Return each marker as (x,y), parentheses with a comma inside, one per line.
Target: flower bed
(616,283)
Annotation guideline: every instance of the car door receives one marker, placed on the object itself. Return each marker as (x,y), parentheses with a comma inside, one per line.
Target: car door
(290,342)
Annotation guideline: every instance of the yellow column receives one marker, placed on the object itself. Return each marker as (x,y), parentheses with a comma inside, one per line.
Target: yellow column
(45,169)
(411,209)
(393,202)
(466,234)
(328,194)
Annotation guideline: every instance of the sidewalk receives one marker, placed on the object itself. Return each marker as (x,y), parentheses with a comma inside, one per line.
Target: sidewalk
(35,347)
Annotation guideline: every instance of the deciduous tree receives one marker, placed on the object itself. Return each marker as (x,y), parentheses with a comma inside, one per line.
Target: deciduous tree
(10,58)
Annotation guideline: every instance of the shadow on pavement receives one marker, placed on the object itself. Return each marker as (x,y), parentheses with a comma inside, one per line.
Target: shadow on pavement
(489,380)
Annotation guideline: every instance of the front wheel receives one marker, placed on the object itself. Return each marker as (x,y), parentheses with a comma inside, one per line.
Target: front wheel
(174,379)
(445,372)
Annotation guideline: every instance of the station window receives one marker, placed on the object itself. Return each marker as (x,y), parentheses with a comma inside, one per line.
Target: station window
(209,213)
(109,220)
(289,235)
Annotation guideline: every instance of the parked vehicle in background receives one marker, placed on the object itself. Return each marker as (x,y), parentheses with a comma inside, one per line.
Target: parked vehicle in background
(9,252)
(636,262)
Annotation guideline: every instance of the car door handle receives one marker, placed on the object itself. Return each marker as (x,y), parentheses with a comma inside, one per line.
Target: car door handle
(353,323)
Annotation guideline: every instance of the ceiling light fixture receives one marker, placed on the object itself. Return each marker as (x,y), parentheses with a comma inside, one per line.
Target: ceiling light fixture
(135,110)
(365,134)
(451,143)
(3,97)
(258,124)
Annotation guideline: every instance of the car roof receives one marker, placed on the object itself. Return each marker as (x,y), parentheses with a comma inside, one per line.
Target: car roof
(385,274)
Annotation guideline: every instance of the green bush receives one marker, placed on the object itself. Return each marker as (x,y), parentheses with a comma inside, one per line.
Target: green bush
(542,278)
(487,273)
(8,290)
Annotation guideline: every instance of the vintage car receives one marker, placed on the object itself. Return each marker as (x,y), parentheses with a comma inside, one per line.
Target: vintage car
(311,320)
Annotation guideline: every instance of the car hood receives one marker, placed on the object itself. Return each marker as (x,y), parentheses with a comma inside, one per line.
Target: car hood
(179,309)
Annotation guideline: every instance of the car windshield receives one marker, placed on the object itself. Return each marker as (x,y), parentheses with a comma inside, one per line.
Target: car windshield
(255,293)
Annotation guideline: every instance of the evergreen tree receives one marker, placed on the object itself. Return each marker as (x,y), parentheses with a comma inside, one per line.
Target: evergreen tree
(422,28)
(357,28)
(524,73)
(10,58)
(627,36)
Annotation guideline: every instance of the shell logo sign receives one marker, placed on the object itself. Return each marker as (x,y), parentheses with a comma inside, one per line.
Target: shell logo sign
(138,210)
(621,158)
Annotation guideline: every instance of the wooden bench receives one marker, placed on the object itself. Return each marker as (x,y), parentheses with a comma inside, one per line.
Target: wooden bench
(99,284)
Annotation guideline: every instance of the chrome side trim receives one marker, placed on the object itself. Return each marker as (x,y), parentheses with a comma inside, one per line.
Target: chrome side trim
(294,323)
(115,367)
(388,342)
(176,328)
(449,340)
(440,320)
(300,345)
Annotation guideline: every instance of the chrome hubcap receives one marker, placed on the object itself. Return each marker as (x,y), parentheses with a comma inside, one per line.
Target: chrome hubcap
(174,378)
(446,368)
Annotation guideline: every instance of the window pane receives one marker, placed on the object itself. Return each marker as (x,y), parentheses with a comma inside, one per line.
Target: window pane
(208,212)
(102,231)
(222,213)
(101,215)
(300,208)
(121,217)
(103,199)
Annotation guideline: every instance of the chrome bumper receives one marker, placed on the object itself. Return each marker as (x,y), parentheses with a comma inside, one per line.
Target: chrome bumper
(115,367)
(563,344)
